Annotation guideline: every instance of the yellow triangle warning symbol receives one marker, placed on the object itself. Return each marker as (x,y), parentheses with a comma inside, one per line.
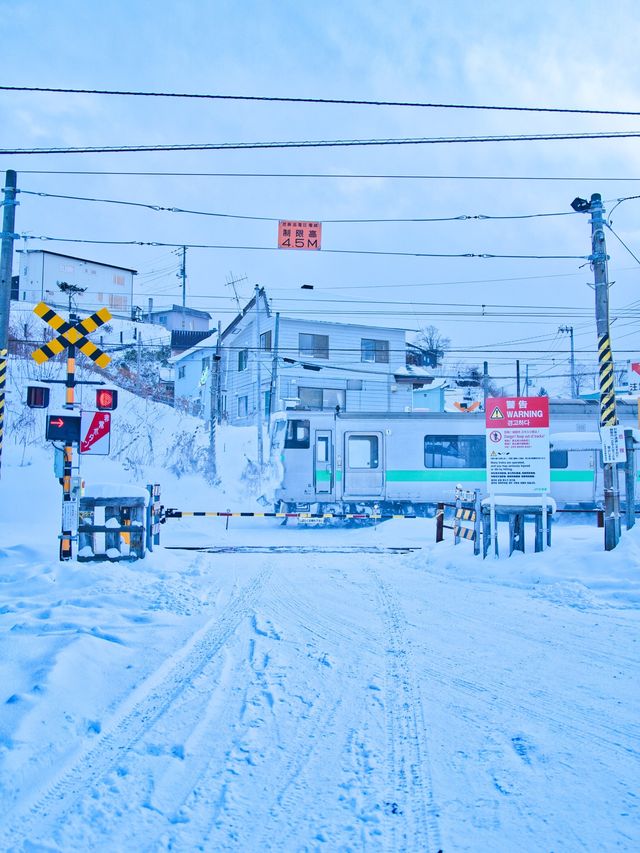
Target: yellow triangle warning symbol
(496,415)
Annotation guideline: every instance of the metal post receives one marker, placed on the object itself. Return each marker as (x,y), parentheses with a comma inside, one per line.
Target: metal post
(608,416)
(213,414)
(6,268)
(67,505)
(477,522)
(630,479)
(517,377)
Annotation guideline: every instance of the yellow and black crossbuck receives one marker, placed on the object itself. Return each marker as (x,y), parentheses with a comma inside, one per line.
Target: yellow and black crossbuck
(71,334)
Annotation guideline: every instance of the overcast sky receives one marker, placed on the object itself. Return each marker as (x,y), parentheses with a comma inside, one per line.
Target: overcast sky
(539,54)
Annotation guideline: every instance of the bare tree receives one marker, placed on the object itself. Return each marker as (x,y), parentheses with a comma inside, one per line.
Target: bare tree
(430,338)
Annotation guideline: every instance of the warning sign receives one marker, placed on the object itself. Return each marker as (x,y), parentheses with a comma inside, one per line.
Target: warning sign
(299,235)
(95,433)
(518,452)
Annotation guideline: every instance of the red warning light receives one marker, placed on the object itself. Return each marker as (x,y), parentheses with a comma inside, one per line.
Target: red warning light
(106,399)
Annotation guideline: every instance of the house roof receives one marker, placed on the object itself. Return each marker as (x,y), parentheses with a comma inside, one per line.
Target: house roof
(76,258)
(194,312)
(205,344)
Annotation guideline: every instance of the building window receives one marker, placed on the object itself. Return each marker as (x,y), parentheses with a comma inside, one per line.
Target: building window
(181,372)
(455,451)
(205,363)
(243,407)
(321,398)
(297,435)
(265,341)
(316,346)
(374,350)
(163,319)
(243,359)
(363,451)
(267,403)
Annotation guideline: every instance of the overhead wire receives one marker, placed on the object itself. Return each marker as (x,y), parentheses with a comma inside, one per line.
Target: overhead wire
(321,143)
(309,100)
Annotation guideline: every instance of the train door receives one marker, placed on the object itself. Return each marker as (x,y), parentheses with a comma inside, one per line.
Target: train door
(363,465)
(323,475)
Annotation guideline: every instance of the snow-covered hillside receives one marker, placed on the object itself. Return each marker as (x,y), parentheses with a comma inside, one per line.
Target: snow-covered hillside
(303,688)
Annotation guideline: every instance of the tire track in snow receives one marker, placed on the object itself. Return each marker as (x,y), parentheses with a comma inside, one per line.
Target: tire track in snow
(138,714)
(412,813)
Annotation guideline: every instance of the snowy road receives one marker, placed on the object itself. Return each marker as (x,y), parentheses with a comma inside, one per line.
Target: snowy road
(370,701)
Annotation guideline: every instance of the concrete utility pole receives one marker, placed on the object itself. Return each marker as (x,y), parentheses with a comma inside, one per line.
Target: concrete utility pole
(258,382)
(608,416)
(569,331)
(6,268)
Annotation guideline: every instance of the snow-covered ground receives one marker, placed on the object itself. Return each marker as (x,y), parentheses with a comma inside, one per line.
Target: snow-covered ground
(341,697)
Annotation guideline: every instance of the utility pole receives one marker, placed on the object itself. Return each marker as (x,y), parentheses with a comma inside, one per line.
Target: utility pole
(608,416)
(485,383)
(6,268)
(258,381)
(517,377)
(569,331)
(274,370)
(214,404)
(183,276)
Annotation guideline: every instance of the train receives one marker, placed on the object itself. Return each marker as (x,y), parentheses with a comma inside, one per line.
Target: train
(396,462)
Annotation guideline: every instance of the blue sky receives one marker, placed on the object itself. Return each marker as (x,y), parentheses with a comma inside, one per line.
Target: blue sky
(534,54)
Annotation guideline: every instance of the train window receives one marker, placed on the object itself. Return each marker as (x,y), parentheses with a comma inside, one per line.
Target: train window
(363,451)
(322,449)
(559,459)
(297,435)
(454,451)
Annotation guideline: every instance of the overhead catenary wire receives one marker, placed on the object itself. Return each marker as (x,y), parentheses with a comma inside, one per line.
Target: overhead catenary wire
(310,100)
(330,175)
(173,209)
(321,143)
(186,245)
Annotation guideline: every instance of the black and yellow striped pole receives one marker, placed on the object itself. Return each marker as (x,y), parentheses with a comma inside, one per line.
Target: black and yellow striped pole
(67,534)
(608,416)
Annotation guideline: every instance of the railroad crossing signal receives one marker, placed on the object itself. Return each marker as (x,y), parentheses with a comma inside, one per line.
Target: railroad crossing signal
(71,334)
(63,427)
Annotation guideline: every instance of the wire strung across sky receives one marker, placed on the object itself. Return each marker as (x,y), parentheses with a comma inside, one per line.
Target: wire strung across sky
(329,175)
(322,143)
(336,101)
(45,238)
(156,207)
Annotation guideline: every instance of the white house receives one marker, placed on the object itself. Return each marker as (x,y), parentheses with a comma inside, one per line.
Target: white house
(268,361)
(40,272)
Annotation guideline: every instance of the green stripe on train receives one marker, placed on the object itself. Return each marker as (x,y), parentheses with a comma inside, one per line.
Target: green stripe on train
(451,475)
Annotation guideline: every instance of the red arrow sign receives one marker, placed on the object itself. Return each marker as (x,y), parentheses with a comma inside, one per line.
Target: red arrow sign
(57,423)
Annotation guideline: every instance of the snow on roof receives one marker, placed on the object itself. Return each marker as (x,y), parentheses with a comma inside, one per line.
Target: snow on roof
(411,370)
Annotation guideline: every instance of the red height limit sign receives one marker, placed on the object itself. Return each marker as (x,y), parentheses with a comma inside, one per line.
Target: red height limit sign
(293,234)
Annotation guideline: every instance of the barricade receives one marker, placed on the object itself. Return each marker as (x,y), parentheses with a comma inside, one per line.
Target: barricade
(112,526)
(466,509)
(516,513)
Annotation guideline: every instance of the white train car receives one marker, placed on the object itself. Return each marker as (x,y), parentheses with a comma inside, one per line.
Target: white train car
(407,462)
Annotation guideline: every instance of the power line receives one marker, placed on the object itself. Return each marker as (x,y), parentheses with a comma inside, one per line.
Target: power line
(320,143)
(156,207)
(25,237)
(343,101)
(330,175)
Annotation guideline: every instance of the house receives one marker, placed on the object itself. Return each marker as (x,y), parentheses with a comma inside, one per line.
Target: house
(102,285)
(188,326)
(268,361)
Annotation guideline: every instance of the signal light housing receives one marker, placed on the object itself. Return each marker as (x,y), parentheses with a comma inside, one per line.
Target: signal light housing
(106,399)
(37,397)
